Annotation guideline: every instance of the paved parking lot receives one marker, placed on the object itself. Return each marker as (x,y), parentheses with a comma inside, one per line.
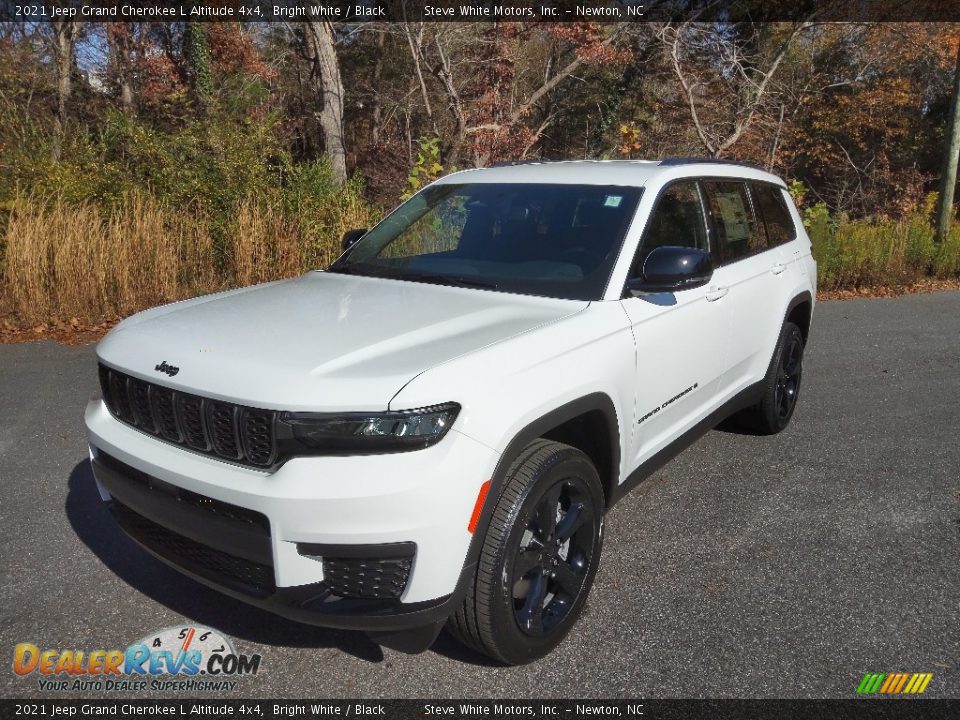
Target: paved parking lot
(747,567)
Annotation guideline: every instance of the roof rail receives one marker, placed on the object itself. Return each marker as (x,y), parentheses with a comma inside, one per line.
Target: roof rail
(510,163)
(673,161)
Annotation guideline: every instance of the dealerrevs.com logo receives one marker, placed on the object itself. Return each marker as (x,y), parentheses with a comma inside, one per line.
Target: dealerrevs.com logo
(175,658)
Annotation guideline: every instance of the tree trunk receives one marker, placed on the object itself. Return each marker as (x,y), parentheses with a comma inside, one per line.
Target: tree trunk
(376,113)
(196,50)
(948,179)
(65,37)
(119,39)
(328,86)
(416,54)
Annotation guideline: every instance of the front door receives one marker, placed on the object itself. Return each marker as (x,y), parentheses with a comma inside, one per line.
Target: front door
(681,338)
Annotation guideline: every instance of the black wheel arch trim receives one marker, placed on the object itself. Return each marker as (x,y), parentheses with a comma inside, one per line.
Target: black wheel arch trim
(593,402)
(588,403)
(615,490)
(797,301)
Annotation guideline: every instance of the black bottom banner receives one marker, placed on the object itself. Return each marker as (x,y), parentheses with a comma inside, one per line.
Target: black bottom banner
(493,709)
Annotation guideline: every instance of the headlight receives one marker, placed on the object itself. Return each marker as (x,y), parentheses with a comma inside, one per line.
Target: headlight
(369,433)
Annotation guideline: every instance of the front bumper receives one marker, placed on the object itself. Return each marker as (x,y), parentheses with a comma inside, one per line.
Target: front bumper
(270,538)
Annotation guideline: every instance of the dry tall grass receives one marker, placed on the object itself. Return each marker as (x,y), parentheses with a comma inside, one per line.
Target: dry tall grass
(66,260)
(323,227)
(266,245)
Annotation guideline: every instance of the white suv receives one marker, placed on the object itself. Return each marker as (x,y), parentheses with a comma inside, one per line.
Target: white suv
(431,431)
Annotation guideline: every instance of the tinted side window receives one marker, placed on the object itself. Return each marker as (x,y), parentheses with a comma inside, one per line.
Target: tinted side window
(732,214)
(676,219)
(772,208)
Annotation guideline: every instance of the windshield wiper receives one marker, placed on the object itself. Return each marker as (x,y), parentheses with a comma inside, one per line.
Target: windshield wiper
(455,280)
(442,279)
(342,269)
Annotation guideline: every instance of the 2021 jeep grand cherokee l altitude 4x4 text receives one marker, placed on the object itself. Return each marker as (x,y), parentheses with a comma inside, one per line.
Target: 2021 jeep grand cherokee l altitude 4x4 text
(431,430)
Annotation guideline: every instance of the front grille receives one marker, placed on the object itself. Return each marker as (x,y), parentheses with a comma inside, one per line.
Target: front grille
(138,393)
(367,577)
(256,430)
(165,414)
(220,567)
(225,430)
(190,414)
(222,419)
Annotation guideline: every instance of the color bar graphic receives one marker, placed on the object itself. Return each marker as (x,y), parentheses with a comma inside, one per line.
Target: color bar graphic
(894,683)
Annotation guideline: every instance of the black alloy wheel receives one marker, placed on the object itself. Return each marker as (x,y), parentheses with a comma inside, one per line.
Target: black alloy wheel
(789,371)
(549,568)
(780,389)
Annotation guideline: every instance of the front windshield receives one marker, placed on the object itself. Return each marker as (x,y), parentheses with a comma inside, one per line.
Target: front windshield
(551,240)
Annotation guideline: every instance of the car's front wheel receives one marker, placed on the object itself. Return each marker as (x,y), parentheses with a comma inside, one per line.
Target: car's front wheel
(539,556)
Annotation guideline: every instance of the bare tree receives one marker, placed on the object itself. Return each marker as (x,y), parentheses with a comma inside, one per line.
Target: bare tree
(64,46)
(120,43)
(738,63)
(453,54)
(321,52)
(376,112)
(413,32)
(436,54)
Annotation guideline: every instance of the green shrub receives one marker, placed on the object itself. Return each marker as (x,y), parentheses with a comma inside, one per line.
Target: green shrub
(879,252)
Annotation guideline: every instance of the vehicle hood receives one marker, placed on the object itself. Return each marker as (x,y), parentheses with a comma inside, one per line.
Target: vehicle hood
(319,342)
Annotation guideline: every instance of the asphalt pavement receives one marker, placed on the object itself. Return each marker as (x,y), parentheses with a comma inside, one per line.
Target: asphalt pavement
(747,567)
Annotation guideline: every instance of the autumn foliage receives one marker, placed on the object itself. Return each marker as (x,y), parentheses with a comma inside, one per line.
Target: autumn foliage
(207,143)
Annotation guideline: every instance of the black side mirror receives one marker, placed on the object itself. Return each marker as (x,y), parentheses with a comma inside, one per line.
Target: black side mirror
(670,269)
(351,236)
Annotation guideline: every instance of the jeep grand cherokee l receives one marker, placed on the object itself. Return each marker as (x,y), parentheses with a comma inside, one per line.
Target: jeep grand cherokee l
(430,431)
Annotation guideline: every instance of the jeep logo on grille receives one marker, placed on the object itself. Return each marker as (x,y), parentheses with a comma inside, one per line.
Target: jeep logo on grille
(170,370)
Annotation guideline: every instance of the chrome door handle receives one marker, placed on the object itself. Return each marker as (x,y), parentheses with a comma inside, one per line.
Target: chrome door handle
(716,293)
(778,268)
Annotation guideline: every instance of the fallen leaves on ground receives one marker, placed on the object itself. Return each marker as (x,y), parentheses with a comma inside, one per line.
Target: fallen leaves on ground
(70,331)
(927,285)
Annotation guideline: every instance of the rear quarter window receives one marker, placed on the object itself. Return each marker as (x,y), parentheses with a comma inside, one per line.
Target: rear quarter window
(773,212)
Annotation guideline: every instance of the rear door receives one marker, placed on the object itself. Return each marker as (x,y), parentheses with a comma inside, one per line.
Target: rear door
(771,205)
(749,277)
(681,337)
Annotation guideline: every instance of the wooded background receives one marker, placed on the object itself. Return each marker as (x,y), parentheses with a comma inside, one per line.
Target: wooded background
(146,162)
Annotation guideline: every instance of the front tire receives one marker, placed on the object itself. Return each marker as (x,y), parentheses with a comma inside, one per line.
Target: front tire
(539,556)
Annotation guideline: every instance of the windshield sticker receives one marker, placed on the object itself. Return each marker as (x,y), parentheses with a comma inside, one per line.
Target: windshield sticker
(613,201)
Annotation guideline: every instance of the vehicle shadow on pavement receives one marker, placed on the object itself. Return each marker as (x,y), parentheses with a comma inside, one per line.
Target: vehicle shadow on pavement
(735,426)
(452,649)
(96,528)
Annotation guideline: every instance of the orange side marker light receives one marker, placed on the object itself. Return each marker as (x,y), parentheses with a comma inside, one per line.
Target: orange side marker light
(478,507)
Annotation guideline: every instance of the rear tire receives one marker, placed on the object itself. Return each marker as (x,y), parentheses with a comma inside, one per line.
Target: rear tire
(539,556)
(781,386)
